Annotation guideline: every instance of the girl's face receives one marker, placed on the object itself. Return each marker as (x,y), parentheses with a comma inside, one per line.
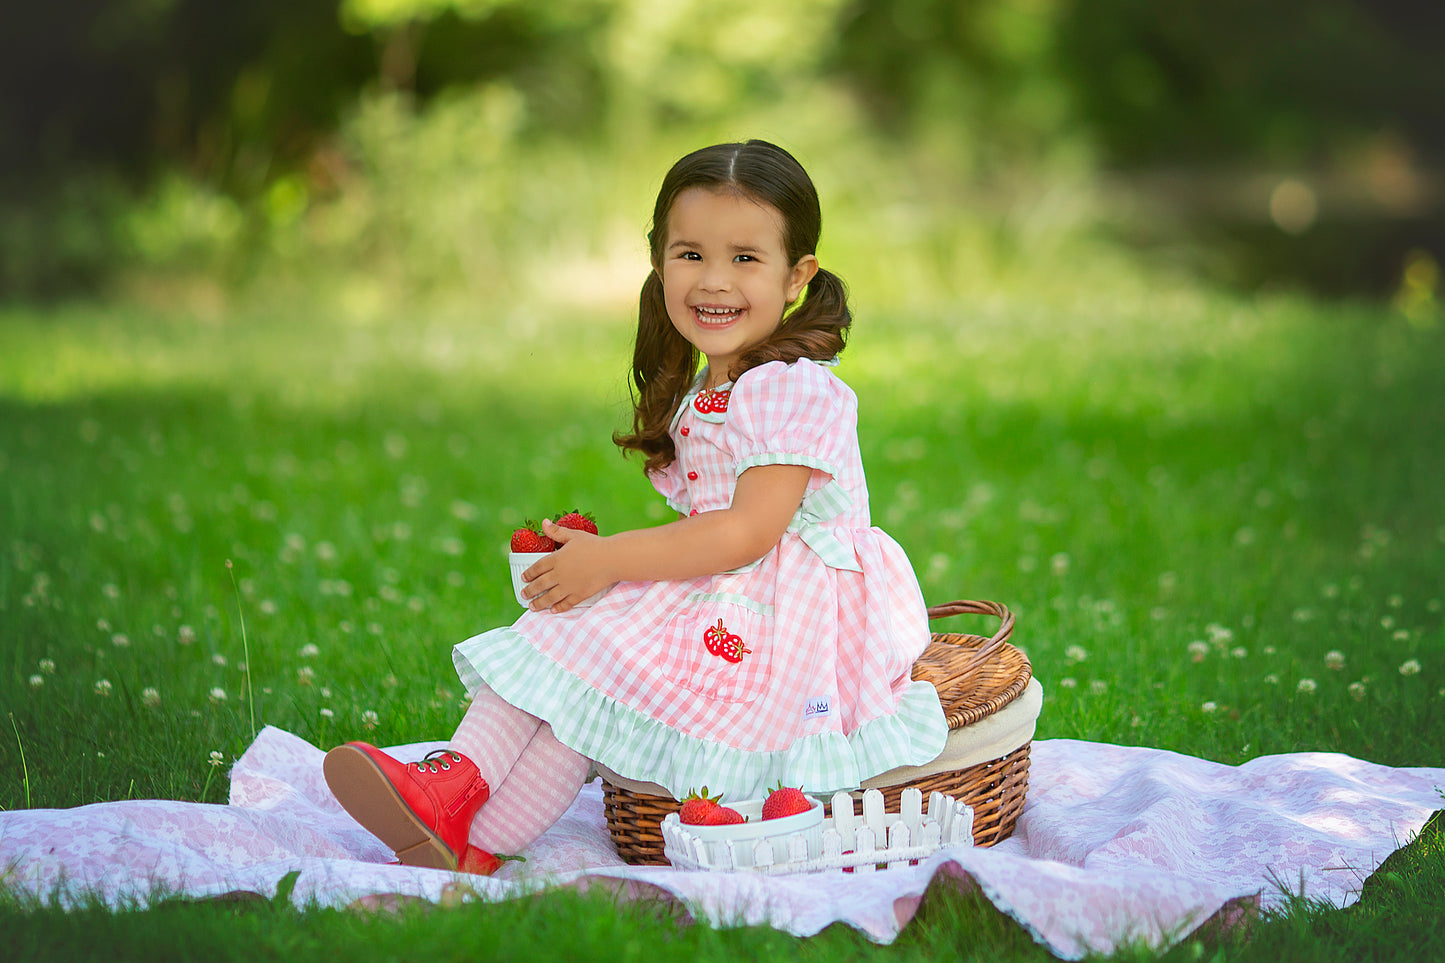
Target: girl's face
(726,279)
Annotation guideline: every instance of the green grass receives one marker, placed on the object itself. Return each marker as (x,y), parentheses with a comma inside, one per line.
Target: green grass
(1199,506)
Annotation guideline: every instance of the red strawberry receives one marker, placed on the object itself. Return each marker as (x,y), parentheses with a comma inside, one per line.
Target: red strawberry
(722,643)
(723,816)
(582,522)
(531,539)
(697,807)
(785,801)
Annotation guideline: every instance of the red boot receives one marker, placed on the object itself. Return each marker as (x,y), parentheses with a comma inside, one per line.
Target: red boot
(422,810)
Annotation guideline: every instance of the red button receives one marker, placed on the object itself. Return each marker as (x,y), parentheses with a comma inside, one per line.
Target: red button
(686,429)
(693,512)
(692,476)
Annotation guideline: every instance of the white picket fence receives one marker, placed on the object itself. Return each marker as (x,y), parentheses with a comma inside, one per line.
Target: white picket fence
(847,840)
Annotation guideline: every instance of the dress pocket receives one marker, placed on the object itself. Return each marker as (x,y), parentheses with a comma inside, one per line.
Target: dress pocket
(721,647)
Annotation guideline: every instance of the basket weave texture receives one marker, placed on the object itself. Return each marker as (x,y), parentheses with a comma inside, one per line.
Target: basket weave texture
(975,676)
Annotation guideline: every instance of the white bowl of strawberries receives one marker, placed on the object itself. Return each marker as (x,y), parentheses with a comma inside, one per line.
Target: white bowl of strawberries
(786,812)
(529,545)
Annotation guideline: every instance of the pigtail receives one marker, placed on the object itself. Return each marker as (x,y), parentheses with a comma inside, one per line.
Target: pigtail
(817,328)
(663,366)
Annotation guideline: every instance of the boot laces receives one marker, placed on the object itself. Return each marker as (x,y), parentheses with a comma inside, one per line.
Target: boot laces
(438,760)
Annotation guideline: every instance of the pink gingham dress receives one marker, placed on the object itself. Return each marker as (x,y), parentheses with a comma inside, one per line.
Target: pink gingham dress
(653,681)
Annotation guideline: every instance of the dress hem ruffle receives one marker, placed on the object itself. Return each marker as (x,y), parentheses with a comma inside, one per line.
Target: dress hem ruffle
(636,746)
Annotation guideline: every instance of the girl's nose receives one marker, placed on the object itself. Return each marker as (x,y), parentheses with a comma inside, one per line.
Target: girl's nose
(716,279)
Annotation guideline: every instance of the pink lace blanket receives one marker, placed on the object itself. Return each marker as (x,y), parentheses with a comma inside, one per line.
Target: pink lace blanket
(1115,844)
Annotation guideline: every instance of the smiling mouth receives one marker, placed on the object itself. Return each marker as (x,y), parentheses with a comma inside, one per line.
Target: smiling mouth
(707,315)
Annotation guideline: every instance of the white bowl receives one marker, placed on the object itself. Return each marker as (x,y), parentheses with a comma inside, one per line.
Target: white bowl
(744,836)
(520,562)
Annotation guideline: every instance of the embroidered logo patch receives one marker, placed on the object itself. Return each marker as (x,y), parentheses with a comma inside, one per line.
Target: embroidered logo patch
(817,706)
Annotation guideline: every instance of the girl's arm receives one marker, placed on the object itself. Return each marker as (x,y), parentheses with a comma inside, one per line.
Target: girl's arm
(764,502)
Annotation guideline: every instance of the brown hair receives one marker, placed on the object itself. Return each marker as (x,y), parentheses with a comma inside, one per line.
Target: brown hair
(664,363)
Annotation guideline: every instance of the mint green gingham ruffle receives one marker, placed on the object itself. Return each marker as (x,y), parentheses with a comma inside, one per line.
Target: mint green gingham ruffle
(639,747)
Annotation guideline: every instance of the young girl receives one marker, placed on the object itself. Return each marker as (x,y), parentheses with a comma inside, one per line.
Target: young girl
(766,635)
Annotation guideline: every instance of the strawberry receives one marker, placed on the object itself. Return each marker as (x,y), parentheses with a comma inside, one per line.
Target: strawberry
(531,539)
(785,801)
(723,816)
(697,807)
(582,522)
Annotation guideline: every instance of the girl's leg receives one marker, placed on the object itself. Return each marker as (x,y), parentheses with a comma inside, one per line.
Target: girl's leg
(542,784)
(493,734)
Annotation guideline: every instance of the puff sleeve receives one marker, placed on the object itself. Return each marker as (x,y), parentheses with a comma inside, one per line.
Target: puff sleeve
(792,414)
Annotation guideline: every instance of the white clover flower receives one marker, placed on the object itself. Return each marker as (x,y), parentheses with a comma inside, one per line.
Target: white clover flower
(1098,687)
(1271,679)
(1357,691)
(267,607)
(102,624)
(1198,649)
(216,758)
(309,651)
(369,719)
(1400,635)
(150,696)
(1059,563)
(36,681)
(1076,653)
(325,692)
(1239,652)
(110,590)
(1218,633)
(47,666)
(1210,706)
(1306,686)
(217,694)
(305,674)
(1068,682)
(325,551)
(120,640)
(102,687)
(1410,667)
(185,635)
(219,659)
(1269,650)
(1387,622)
(326,713)
(1334,659)
(1303,614)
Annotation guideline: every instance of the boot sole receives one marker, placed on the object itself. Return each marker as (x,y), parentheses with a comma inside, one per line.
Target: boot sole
(370,798)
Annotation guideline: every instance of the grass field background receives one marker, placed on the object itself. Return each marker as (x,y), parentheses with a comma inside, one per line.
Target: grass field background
(1218,519)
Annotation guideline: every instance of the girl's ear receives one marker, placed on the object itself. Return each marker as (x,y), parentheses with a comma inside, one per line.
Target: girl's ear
(802,273)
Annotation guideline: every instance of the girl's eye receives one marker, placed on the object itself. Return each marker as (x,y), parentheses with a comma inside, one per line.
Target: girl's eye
(691,256)
(744,257)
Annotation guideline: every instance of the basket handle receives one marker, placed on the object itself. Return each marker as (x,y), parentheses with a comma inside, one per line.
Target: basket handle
(989,645)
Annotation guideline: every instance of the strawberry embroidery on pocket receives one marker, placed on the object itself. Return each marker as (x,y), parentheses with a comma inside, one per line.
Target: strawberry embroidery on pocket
(723,644)
(712,401)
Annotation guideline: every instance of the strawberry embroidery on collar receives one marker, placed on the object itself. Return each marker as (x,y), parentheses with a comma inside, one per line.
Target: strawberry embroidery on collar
(712,400)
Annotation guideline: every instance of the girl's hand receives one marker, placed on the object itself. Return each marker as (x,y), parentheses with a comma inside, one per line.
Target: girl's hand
(576,571)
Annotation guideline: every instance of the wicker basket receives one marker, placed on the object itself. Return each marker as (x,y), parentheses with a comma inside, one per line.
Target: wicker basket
(975,677)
